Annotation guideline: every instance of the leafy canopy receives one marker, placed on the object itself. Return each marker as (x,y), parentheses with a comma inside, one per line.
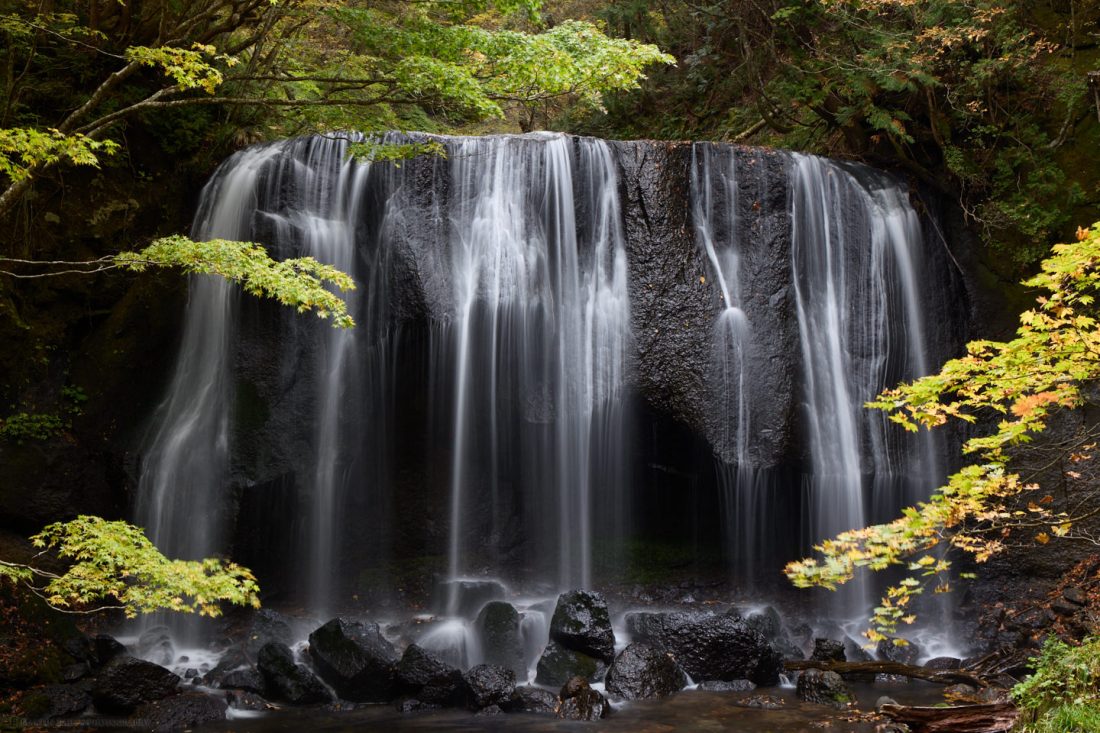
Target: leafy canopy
(1054,358)
(300,282)
(114,565)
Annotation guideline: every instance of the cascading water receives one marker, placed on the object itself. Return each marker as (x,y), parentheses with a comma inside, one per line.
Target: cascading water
(855,242)
(476,420)
(538,341)
(185,461)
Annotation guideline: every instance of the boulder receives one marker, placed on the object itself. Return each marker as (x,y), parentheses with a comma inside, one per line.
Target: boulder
(824,688)
(907,653)
(490,685)
(465,597)
(183,711)
(709,646)
(582,623)
(287,680)
(489,710)
(767,622)
(52,701)
(107,648)
(641,672)
(497,627)
(126,682)
(827,650)
(423,676)
(232,660)
(580,702)
(267,626)
(355,659)
(558,664)
(727,686)
(532,700)
(943,664)
(246,678)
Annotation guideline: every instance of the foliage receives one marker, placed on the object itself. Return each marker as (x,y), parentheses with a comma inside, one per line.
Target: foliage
(976,98)
(24,149)
(1062,695)
(1053,360)
(299,282)
(30,426)
(114,563)
(297,65)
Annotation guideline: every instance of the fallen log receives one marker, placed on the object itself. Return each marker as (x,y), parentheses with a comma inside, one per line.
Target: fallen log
(943,677)
(991,718)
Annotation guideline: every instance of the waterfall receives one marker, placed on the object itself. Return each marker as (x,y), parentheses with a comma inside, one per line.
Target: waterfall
(478,420)
(855,244)
(185,458)
(538,340)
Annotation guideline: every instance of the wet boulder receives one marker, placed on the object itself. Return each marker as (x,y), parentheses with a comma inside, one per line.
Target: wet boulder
(906,653)
(557,665)
(430,680)
(52,701)
(824,688)
(497,627)
(580,702)
(355,659)
(232,660)
(267,626)
(582,623)
(709,646)
(465,597)
(286,680)
(943,664)
(180,712)
(532,700)
(490,685)
(248,679)
(107,648)
(827,650)
(641,672)
(126,682)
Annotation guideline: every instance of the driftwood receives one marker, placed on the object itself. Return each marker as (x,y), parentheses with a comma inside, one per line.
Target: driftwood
(943,677)
(992,718)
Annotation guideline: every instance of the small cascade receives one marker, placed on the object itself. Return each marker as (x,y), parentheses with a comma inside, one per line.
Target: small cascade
(855,243)
(185,459)
(715,200)
(537,344)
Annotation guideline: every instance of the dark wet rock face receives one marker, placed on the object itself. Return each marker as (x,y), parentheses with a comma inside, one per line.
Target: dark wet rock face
(497,627)
(490,685)
(709,646)
(248,679)
(181,712)
(430,680)
(355,659)
(641,672)
(469,596)
(558,664)
(532,700)
(582,623)
(580,702)
(827,650)
(126,682)
(286,680)
(824,688)
(53,701)
(267,626)
(107,648)
(902,653)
